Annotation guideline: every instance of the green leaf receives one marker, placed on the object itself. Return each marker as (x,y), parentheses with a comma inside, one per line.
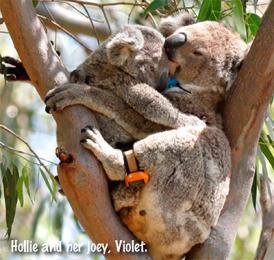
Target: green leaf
(58,219)
(78,225)
(54,187)
(35,3)
(19,189)
(266,151)
(210,10)
(51,189)
(10,179)
(37,216)
(154,5)
(253,22)
(238,18)
(254,188)
(262,159)
(26,182)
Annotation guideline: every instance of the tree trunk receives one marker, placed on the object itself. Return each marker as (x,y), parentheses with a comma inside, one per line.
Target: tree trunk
(244,114)
(83,181)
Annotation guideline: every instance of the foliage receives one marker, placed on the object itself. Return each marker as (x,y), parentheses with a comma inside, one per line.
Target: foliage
(15,179)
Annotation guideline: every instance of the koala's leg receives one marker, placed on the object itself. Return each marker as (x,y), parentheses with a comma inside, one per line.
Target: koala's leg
(112,159)
(154,106)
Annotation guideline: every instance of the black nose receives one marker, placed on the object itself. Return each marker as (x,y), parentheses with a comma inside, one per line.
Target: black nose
(173,42)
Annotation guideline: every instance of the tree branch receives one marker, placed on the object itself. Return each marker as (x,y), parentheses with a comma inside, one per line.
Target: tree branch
(79,23)
(243,116)
(72,21)
(83,181)
(267,233)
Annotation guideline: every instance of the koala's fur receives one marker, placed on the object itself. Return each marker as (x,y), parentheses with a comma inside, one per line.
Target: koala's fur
(189,166)
(129,64)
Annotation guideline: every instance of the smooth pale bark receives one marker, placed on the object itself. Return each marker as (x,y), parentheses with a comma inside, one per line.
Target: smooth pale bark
(244,114)
(71,20)
(83,181)
(265,248)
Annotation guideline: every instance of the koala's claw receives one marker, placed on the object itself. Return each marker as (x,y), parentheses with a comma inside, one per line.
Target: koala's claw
(88,127)
(66,95)
(63,156)
(93,140)
(56,103)
(92,133)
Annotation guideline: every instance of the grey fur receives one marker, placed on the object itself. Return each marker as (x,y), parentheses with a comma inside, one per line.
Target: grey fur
(184,148)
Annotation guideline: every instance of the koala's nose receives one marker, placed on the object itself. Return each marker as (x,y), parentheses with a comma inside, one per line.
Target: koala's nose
(173,42)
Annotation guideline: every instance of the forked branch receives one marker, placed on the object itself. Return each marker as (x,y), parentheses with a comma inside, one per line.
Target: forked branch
(244,114)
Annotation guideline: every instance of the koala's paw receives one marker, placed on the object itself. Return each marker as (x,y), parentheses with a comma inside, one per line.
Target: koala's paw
(94,141)
(60,97)
(80,76)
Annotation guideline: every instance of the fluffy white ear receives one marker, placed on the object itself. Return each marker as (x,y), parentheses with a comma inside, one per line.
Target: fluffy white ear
(170,24)
(235,66)
(238,61)
(123,45)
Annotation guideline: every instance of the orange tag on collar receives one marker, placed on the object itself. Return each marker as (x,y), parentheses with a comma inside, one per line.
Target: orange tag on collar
(139,178)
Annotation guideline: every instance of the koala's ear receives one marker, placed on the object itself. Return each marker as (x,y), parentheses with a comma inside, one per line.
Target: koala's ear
(123,45)
(237,64)
(170,24)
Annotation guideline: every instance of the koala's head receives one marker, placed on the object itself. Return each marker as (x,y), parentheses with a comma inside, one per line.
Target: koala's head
(208,55)
(138,51)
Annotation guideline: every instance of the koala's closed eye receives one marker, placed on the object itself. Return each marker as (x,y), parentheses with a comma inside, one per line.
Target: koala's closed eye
(197,53)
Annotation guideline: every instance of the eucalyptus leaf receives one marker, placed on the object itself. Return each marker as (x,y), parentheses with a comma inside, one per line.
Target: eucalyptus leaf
(266,151)
(264,168)
(254,188)
(154,5)
(26,181)
(10,179)
(210,10)
(35,3)
(38,214)
(253,22)
(51,189)
(58,219)
(19,189)
(270,125)
(238,18)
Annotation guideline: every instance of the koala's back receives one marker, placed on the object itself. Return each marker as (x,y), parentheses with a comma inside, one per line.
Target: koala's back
(189,179)
(100,70)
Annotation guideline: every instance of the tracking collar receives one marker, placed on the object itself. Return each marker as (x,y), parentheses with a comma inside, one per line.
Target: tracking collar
(135,176)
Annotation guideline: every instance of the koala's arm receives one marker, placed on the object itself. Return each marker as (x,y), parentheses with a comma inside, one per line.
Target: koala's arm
(154,106)
(112,159)
(101,101)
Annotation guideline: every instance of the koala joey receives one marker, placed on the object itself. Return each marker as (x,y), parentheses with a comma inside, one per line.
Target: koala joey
(130,64)
(187,155)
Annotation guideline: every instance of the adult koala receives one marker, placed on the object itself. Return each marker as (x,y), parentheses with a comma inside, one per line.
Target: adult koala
(189,166)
